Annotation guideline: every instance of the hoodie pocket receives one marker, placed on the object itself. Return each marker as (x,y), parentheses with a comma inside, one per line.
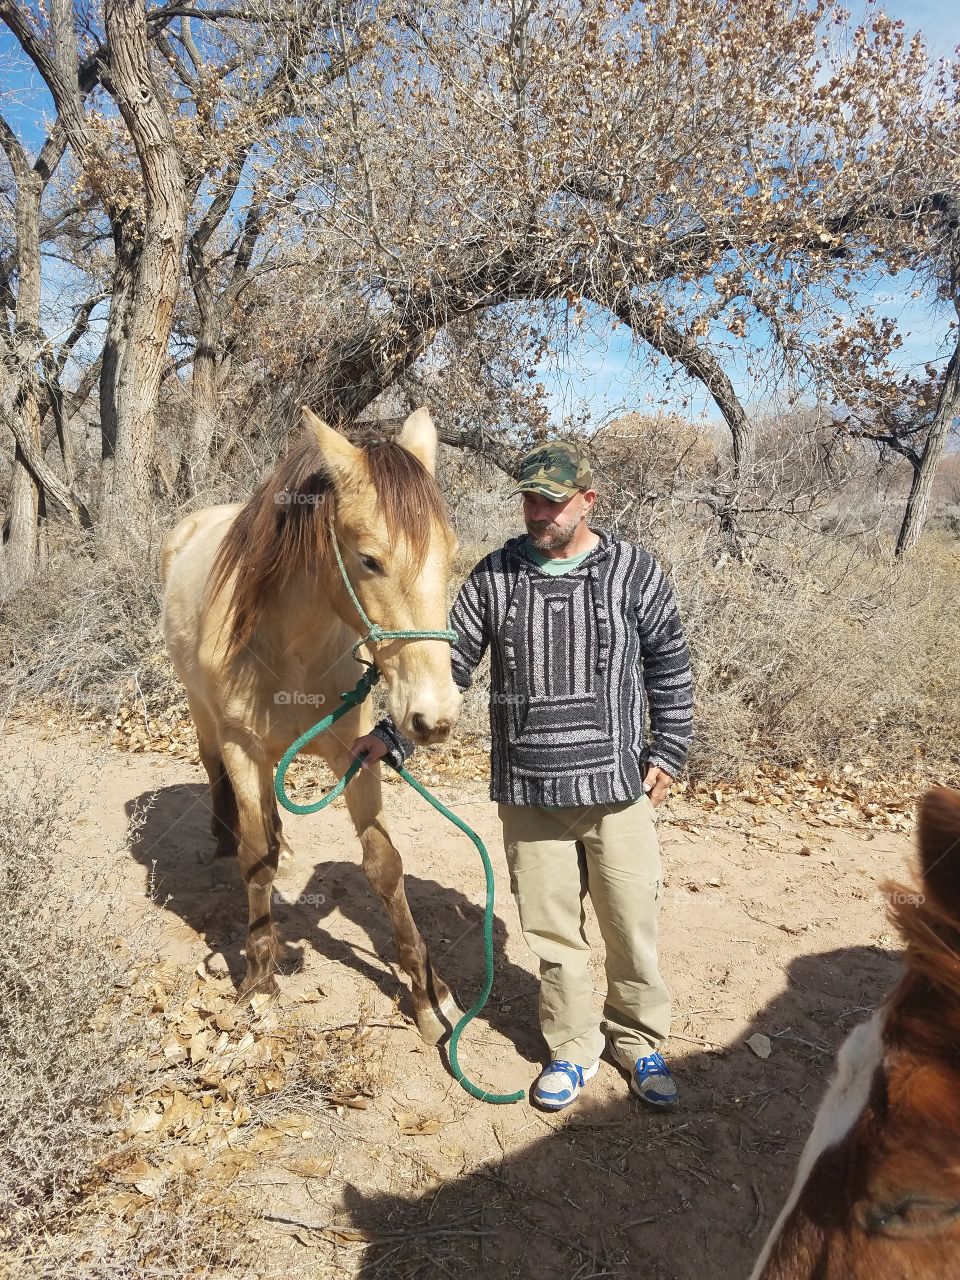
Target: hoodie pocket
(556,654)
(561,737)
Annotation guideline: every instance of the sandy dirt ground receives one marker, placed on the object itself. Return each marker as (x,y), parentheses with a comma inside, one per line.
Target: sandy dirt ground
(769,924)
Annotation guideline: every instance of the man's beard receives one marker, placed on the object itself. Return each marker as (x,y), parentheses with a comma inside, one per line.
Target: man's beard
(553,537)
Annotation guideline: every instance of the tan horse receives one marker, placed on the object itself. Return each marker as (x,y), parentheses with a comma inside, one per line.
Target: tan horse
(260,629)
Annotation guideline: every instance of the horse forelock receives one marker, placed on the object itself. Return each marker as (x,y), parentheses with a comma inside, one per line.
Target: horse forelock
(285,526)
(408,497)
(932,937)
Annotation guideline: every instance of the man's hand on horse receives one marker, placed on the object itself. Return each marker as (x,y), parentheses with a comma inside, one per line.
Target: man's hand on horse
(374,747)
(656,784)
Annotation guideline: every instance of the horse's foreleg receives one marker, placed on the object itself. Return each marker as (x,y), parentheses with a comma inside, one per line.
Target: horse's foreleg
(434,1008)
(259,850)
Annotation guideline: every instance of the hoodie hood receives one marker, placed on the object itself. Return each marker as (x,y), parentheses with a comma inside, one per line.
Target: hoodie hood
(516,549)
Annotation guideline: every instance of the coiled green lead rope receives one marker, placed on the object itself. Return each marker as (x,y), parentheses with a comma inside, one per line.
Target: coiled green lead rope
(349,700)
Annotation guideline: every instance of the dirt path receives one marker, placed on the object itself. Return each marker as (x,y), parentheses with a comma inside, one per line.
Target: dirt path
(765,928)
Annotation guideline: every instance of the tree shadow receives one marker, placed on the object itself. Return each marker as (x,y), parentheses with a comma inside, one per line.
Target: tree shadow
(616,1189)
(170,838)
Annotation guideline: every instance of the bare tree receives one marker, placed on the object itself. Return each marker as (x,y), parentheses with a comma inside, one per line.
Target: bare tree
(148,250)
(718,177)
(943,420)
(358,195)
(914,418)
(32,363)
(249,171)
(157,278)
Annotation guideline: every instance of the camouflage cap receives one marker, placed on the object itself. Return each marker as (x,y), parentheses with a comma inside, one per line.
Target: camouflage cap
(556,469)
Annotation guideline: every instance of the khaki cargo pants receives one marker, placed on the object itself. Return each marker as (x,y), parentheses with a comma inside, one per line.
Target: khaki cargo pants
(556,857)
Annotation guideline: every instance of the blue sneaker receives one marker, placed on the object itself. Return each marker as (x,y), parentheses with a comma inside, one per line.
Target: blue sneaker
(559,1083)
(650,1079)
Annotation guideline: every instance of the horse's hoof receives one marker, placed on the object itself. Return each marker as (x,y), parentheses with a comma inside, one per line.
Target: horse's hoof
(263,986)
(433,1024)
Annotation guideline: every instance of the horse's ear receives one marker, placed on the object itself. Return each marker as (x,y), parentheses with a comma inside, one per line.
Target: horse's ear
(342,458)
(939,837)
(419,437)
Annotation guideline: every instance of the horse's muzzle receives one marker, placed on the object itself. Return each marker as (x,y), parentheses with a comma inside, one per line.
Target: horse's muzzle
(425,734)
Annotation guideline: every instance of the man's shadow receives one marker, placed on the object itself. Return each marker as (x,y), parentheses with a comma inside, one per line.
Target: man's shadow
(170,837)
(617,1189)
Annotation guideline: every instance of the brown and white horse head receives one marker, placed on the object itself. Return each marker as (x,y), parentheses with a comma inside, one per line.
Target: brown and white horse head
(877,1191)
(397,547)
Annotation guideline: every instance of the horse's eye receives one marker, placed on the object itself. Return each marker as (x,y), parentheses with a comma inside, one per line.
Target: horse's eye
(371,563)
(911,1216)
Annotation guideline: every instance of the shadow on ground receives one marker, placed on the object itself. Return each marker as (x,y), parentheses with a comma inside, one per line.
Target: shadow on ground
(618,1190)
(614,1189)
(171,839)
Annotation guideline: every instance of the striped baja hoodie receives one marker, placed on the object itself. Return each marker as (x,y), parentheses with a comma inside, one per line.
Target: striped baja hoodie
(578,663)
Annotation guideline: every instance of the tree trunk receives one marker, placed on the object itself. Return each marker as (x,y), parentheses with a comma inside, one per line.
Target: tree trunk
(204,388)
(25,494)
(157,274)
(126,245)
(948,408)
(702,365)
(24,524)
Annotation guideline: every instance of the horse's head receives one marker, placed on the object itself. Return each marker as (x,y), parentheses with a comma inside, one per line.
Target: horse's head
(877,1193)
(397,548)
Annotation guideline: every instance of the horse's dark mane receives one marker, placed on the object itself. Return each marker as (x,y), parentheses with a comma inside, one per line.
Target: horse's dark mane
(931,934)
(285,526)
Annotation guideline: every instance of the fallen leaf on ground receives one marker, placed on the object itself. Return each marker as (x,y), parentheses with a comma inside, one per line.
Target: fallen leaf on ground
(760,1044)
(417,1127)
(347,1235)
(307,1167)
(134,1172)
(355,1100)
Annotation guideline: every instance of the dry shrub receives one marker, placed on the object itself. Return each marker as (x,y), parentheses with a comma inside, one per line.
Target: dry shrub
(85,634)
(181,1234)
(643,452)
(86,1020)
(60,1058)
(815,644)
(818,648)
(72,1046)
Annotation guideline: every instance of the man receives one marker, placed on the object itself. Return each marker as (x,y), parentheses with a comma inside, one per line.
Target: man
(585,639)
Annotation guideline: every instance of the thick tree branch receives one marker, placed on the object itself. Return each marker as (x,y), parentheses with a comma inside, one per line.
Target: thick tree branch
(44,475)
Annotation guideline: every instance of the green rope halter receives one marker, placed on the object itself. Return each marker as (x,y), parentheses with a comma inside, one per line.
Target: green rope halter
(352,698)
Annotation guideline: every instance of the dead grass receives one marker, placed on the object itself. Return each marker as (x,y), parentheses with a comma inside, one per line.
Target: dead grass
(183,1233)
(819,649)
(85,635)
(60,1058)
(133,1096)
